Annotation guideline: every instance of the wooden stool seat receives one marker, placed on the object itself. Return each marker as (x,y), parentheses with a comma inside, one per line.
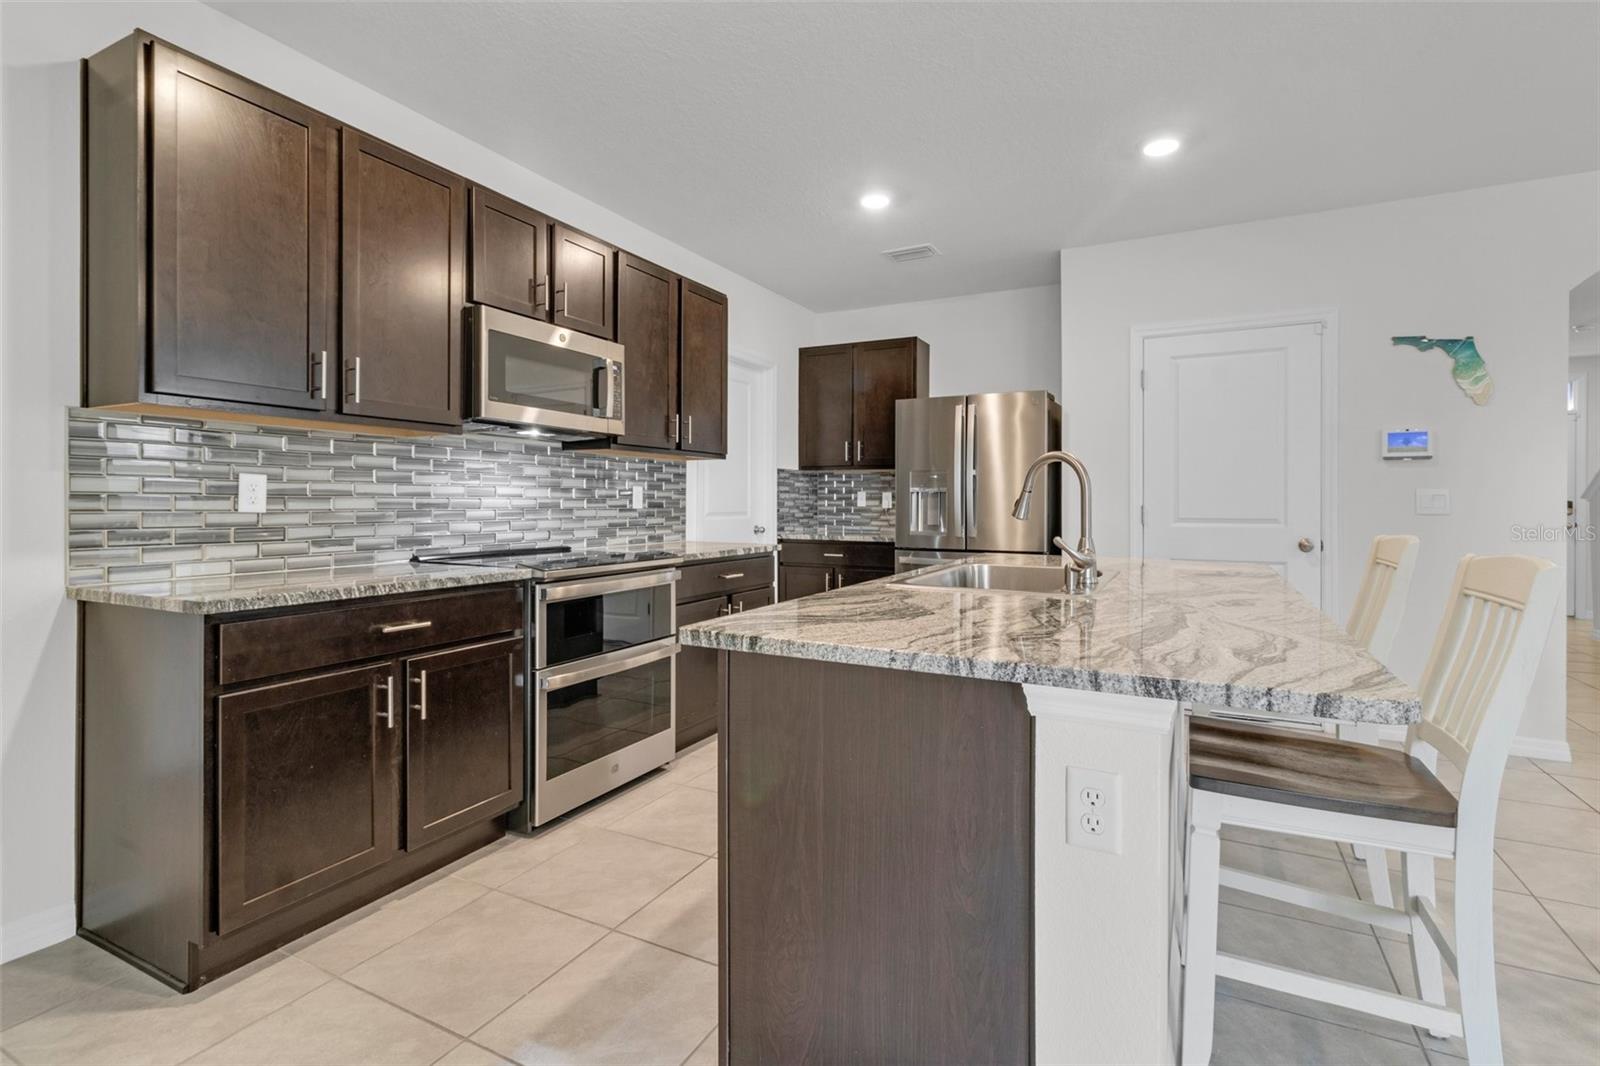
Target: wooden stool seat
(1315,771)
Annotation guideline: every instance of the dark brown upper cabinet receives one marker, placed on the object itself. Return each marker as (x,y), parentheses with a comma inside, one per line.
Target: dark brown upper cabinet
(510,255)
(647,329)
(583,282)
(847,398)
(703,380)
(827,406)
(464,737)
(404,285)
(236,298)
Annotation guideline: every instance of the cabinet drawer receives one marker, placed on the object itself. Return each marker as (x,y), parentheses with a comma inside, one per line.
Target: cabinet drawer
(724,576)
(866,554)
(307,640)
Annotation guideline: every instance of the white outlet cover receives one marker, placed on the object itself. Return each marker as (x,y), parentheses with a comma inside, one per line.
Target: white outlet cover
(1433,501)
(861,498)
(253,493)
(1083,787)
(888,500)
(638,497)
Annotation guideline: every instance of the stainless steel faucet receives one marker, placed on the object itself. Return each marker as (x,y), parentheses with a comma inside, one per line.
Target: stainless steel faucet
(1079,564)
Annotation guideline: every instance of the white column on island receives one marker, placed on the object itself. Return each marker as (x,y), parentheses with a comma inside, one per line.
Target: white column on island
(1106,972)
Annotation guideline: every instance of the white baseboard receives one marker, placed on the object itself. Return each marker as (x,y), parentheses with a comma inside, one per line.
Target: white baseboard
(1527,747)
(26,935)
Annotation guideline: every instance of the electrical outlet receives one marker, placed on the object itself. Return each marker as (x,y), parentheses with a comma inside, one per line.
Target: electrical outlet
(253,493)
(887,501)
(1094,809)
(638,497)
(861,498)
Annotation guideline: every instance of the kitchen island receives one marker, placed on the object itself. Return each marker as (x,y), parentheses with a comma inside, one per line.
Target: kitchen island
(901,879)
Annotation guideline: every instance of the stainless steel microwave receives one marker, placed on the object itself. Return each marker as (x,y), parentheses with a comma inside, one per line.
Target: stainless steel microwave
(547,379)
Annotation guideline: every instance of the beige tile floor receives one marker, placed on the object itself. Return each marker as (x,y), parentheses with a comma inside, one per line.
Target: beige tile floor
(595,942)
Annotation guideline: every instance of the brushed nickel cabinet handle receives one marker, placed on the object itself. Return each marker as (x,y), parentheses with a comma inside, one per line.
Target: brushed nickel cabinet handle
(688,429)
(727,608)
(833,555)
(388,699)
(739,607)
(319,375)
(827,578)
(422,703)
(403,627)
(673,423)
(353,378)
(847,453)
(561,300)
(858,451)
(732,577)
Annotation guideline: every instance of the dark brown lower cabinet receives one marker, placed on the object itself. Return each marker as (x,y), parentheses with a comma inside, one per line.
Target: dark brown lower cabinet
(706,591)
(811,566)
(306,789)
(464,737)
(364,745)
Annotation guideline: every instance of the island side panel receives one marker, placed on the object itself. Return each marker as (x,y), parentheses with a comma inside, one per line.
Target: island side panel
(877,891)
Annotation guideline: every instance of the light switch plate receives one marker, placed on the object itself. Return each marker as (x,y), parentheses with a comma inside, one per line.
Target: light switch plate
(638,497)
(1433,501)
(861,498)
(253,493)
(888,500)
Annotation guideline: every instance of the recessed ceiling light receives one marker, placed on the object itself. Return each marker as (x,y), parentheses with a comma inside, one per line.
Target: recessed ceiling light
(875,201)
(1161,146)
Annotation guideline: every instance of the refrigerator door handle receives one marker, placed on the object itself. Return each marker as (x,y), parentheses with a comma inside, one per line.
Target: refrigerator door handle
(970,472)
(958,493)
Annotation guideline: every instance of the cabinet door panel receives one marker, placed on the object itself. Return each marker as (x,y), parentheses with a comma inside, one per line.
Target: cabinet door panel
(797,581)
(583,282)
(704,387)
(884,372)
(403,283)
(702,683)
(242,249)
(510,255)
(826,399)
(855,575)
(750,600)
(464,737)
(647,328)
(306,789)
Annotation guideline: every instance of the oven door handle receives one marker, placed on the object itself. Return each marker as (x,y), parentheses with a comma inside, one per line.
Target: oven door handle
(613,662)
(600,586)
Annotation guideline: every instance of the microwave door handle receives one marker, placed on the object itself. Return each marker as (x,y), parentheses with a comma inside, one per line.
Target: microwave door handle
(613,381)
(604,665)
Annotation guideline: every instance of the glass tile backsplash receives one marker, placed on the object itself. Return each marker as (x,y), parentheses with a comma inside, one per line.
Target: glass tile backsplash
(152,498)
(823,503)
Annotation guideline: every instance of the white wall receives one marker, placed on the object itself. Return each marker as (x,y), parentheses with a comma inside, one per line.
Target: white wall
(1496,263)
(989,342)
(39,164)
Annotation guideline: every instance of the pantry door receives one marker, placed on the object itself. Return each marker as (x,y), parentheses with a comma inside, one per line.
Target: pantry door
(735,499)
(1232,449)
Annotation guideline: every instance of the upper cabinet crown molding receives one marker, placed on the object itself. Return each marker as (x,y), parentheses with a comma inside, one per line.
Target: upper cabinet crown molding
(847,398)
(247,254)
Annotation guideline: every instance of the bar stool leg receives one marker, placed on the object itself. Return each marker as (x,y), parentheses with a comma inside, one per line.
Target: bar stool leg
(1426,966)
(1376,859)
(1480,1008)
(1200,971)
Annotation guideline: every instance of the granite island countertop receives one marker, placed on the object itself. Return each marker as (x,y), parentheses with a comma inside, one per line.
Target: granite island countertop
(257,592)
(1217,635)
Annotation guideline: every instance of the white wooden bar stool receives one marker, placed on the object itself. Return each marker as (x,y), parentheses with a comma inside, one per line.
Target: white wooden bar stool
(1473,691)
(1374,623)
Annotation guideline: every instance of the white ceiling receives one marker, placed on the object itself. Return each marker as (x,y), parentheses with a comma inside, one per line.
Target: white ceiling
(747,132)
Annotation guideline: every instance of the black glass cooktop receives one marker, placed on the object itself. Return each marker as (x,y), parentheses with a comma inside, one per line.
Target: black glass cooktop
(551,560)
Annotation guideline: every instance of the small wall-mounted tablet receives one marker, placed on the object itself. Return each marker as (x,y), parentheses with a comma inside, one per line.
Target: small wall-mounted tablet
(1407,444)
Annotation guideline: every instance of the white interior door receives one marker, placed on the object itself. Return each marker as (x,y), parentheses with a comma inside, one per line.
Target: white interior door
(1233,449)
(735,499)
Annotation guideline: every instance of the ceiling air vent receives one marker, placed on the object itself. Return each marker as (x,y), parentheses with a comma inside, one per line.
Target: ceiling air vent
(912,252)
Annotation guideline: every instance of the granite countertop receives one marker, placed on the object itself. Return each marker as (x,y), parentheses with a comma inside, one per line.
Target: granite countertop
(1218,635)
(836,535)
(257,592)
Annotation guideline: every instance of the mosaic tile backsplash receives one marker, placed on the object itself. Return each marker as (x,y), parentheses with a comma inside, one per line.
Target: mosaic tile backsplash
(825,502)
(152,498)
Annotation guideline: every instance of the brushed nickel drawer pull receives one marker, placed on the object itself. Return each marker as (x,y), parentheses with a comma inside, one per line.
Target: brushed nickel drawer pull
(422,705)
(403,627)
(388,698)
(833,555)
(731,577)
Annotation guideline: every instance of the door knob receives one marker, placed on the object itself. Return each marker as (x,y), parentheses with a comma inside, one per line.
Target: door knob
(1305,544)
(760,530)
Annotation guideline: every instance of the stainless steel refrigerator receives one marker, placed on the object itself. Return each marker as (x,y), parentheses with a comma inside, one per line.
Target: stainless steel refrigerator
(959,463)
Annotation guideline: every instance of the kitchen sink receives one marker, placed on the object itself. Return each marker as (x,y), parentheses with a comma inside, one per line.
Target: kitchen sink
(991,577)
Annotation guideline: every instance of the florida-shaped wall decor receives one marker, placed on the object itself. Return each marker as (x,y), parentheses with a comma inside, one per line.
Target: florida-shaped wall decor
(1466,365)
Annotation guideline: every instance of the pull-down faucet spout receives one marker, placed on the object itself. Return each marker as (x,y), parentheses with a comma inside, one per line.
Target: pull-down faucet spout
(1078,563)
